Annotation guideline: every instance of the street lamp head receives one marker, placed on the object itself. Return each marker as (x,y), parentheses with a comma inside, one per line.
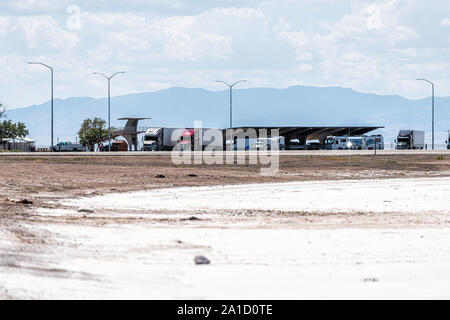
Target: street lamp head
(238,82)
(42,64)
(109,78)
(426,80)
(231,85)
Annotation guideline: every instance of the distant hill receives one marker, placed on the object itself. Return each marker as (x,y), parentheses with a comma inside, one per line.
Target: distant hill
(294,106)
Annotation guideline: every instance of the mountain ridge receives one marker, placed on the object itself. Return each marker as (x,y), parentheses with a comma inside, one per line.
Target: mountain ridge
(295,106)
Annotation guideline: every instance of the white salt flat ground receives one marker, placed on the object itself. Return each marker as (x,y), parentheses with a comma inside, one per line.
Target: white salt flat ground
(155,260)
(148,263)
(381,196)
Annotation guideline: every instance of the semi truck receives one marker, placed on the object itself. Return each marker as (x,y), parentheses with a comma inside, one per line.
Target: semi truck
(159,139)
(67,147)
(166,139)
(410,139)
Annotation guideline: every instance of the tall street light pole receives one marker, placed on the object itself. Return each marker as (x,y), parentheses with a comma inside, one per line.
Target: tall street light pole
(231,98)
(51,69)
(109,103)
(432,109)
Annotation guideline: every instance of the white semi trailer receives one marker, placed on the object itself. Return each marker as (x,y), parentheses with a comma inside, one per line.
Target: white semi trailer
(166,139)
(410,139)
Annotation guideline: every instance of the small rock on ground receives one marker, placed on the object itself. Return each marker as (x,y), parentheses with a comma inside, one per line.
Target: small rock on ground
(86,210)
(23,201)
(201,260)
(193,219)
(371,280)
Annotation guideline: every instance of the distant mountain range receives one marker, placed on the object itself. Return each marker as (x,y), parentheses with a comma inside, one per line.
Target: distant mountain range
(294,106)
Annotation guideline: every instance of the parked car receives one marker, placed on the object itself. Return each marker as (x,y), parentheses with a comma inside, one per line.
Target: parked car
(296,146)
(313,145)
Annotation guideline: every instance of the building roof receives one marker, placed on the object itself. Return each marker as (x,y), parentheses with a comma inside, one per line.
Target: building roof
(18,140)
(316,132)
(353,130)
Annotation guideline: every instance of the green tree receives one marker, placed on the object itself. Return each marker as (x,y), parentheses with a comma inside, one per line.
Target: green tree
(2,110)
(5,131)
(20,130)
(92,132)
(10,130)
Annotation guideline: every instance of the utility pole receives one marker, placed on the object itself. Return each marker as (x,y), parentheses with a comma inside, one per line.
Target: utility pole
(432,110)
(231,98)
(231,104)
(51,125)
(109,104)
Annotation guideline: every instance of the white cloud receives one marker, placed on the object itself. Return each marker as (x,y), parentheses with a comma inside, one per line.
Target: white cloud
(30,5)
(305,67)
(173,38)
(304,56)
(4,25)
(242,13)
(298,38)
(370,45)
(445,22)
(42,30)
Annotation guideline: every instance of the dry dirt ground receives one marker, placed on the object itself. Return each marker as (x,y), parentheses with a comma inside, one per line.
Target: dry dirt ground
(60,177)
(27,236)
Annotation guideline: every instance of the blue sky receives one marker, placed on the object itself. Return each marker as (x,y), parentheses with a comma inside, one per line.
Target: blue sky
(371,46)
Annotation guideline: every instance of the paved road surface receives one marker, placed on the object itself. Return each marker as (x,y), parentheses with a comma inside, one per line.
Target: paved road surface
(282,153)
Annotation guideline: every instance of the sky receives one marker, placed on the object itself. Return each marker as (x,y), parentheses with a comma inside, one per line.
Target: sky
(377,47)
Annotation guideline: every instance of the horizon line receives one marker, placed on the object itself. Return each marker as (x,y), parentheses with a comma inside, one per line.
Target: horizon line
(222,90)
